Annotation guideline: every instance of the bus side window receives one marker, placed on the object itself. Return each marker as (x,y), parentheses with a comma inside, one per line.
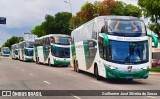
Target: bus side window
(52,39)
(101,47)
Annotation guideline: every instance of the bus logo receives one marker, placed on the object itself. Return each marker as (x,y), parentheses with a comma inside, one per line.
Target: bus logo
(129,67)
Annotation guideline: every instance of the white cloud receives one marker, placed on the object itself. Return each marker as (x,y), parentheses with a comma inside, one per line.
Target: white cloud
(134,2)
(22,14)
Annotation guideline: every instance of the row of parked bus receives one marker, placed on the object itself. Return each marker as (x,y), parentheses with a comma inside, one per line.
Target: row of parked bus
(107,46)
(5,51)
(53,49)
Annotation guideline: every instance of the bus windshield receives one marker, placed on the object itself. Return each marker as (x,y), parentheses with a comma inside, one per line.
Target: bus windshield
(127,52)
(29,44)
(29,52)
(16,52)
(61,52)
(6,49)
(126,27)
(62,40)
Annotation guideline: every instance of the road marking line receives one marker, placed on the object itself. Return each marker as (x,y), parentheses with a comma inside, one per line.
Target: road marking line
(97,82)
(151,97)
(22,70)
(31,74)
(16,67)
(75,96)
(47,82)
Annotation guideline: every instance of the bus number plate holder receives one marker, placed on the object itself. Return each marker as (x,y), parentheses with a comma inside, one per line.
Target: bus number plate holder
(129,77)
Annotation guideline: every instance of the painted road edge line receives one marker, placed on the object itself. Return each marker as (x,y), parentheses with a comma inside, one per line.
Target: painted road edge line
(75,96)
(47,82)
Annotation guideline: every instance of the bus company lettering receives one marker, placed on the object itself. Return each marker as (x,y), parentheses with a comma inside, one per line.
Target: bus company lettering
(128,39)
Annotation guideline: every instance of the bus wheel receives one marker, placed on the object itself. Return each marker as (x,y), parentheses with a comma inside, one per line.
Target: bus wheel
(96,73)
(74,66)
(38,60)
(49,63)
(130,79)
(77,67)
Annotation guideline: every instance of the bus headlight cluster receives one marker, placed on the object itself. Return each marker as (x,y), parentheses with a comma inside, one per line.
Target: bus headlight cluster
(145,68)
(111,67)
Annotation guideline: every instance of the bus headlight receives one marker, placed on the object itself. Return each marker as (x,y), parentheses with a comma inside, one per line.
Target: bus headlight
(111,67)
(145,68)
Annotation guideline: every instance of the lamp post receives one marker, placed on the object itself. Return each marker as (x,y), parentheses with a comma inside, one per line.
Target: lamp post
(69,1)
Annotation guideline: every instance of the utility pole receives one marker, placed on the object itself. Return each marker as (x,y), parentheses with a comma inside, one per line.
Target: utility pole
(69,1)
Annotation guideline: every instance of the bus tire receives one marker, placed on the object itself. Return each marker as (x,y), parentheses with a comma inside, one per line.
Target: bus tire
(49,62)
(96,73)
(77,67)
(38,60)
(74,64)
(130,80)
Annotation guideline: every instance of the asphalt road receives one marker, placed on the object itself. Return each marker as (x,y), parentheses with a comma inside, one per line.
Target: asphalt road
(18,75)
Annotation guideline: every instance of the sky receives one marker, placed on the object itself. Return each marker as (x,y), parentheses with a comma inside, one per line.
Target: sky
(23,15)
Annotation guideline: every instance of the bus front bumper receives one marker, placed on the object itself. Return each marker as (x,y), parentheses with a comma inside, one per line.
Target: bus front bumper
(28,59)
(6,55)
(110,73)
(61,62)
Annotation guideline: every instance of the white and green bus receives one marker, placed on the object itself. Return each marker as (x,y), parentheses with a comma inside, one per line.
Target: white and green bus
(14,51)
(26,49)
(5,51)
(112,47)
(53,49)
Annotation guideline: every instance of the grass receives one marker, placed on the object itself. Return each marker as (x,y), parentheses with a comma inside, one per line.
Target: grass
(155,69)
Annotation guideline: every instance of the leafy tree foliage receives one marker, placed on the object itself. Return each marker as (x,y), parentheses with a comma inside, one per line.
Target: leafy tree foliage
(106,7)
(11,41)
(58,24)
(38,30)
(151,9)
(131,10)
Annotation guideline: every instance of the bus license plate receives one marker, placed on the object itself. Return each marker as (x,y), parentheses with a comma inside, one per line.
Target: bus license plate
(129,77)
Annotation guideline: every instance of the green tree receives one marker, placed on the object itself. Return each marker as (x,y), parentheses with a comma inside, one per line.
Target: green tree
(119,8)
(101,8)
(11,41)
(131,10)
(62,23)
(38,30)
(151,9)
(48,25)
(58,24)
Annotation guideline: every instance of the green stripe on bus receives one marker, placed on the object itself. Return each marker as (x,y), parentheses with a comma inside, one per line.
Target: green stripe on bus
(155,40)
(86,52)
(106,40)
(110,73)
(59,62)
(73,49)
(28,59)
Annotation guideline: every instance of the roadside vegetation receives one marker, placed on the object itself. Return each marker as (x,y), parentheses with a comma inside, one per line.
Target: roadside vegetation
(155,69)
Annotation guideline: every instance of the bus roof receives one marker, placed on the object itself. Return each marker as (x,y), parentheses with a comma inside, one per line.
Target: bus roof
(118,17)
(109,17)
(25,41)
(55,35)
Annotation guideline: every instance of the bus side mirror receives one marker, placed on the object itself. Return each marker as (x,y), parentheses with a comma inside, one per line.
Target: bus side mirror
(106,40)
(155,40)
(54,47)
